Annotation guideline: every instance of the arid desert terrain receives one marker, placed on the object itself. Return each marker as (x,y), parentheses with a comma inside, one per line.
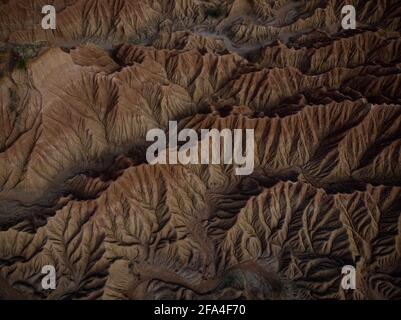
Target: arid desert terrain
(76,189)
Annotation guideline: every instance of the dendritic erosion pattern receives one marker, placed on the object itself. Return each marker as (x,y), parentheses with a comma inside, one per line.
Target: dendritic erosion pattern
(76,191)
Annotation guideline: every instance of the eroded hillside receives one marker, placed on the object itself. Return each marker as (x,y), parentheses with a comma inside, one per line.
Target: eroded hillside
(77,192)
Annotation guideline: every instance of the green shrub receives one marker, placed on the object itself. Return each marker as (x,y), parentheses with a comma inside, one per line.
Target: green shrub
(214,12)
(21,64)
